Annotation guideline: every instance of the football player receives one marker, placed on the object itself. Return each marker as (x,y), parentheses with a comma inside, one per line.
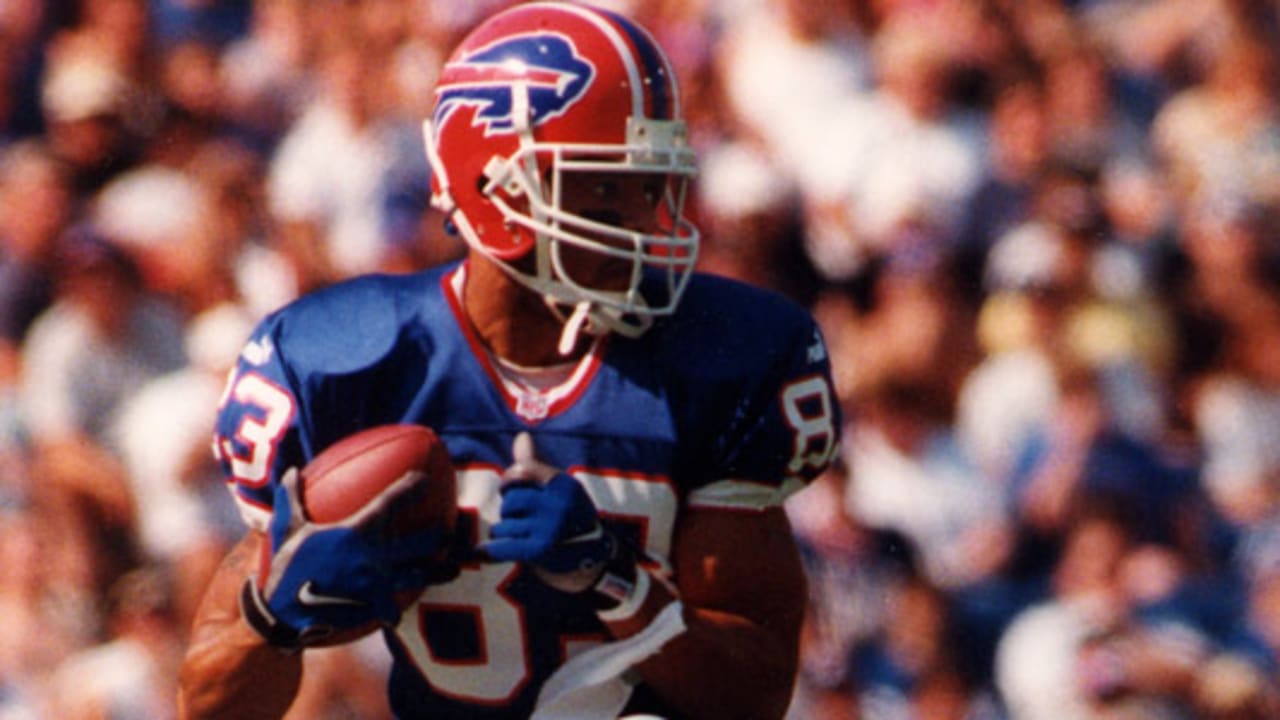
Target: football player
(624,430)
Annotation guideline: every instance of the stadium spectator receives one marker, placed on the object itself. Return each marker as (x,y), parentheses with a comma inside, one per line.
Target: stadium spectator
(326,180)
(264,72)
(236,256)
(35,205)
(799,60)
(909,475)
(848,567)
(98,343)
(95,345)
(1087,127)
(909,669)
(1217,137)
(1017,153)
(893,164)
(128,676)
(43,625)
(185,520)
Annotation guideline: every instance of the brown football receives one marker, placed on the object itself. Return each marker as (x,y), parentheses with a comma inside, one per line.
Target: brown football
(351,472)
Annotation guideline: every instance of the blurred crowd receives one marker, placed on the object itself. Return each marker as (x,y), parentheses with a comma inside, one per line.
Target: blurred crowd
(1042,238)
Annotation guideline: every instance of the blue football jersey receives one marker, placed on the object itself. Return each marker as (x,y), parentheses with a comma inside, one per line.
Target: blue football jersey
(725,404)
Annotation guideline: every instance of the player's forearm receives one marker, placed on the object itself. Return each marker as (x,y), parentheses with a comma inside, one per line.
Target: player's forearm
(743,589)
(229,676)
(229,671)
(723,665)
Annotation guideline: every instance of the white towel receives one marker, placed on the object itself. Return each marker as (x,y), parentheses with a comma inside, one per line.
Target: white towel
(591,685)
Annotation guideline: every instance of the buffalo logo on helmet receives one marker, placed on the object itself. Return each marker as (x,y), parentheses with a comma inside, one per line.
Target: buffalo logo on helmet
(548,64)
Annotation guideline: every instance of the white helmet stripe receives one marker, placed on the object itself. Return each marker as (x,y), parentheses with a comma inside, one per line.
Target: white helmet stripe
(623,48)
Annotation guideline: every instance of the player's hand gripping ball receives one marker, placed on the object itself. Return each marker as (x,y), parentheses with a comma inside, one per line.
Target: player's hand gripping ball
(355,536)
(548,520)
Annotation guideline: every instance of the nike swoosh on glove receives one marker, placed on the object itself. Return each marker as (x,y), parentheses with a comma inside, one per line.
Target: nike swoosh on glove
(323,578)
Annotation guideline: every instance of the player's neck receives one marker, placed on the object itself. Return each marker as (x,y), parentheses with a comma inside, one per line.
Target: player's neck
(512,321)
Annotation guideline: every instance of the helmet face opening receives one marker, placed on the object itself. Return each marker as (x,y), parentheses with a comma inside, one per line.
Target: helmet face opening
(611,210)
(557,149)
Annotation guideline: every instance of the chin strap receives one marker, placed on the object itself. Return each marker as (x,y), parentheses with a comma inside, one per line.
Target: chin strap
(573,327)
(594,320)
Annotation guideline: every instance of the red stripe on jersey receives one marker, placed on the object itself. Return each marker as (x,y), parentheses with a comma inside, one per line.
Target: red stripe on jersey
(558,399)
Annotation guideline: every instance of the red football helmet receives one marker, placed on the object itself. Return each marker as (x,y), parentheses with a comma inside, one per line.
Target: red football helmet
(541,90)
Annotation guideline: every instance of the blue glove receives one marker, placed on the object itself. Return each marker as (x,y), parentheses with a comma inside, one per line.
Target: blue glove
(324,578)
(548,520)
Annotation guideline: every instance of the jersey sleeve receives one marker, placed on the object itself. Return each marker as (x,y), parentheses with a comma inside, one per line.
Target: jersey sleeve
(319,369)
(767,422)
(258,434)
